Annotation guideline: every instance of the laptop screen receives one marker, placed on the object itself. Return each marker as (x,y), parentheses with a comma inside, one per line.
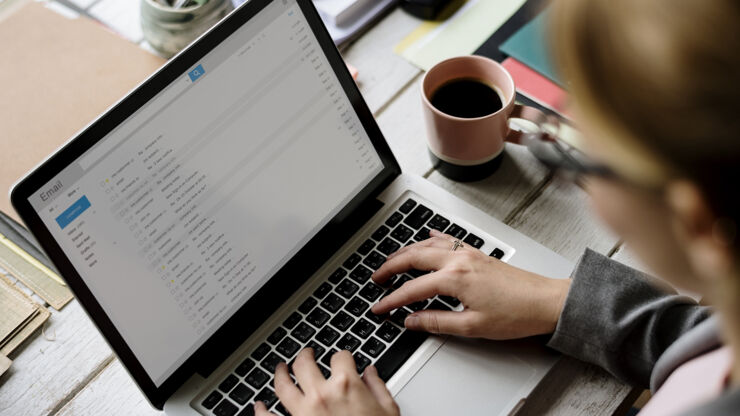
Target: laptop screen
(182,212)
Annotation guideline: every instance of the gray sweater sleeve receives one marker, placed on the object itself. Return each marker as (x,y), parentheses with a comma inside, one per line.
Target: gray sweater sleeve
(614,318)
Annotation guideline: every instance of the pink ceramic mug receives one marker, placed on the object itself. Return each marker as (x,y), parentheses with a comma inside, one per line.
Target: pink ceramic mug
(468,149)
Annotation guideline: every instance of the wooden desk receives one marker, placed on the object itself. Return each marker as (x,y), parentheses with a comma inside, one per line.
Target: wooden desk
(72,371)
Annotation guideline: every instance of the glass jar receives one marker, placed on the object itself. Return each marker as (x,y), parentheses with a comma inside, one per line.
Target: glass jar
(169,30)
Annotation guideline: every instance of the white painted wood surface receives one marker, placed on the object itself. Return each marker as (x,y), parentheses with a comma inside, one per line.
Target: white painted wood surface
(517,181)
(111,393)
(49,369)
(78,374)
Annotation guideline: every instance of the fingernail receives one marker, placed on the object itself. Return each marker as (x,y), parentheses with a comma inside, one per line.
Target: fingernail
(411,321)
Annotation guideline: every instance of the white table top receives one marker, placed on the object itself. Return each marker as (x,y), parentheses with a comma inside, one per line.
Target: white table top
(71,370)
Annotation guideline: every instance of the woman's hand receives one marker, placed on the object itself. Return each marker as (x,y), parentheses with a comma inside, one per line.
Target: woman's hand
(501,301)
(344,393)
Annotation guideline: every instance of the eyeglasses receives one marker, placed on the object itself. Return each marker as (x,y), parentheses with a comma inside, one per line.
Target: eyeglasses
(561,156)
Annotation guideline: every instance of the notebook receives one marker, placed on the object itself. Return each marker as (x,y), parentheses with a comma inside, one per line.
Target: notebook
(530,46)
(65,72)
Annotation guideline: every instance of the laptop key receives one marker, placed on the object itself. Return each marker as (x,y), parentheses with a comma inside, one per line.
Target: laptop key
(257,378)
(332,303)
(418,217)
(449,300)
(417,306)
(401,280)
(473,240)
(348,342)
(244,367)
(228,383)
(437,305)
(266,396)
(399,316)
(307,305)
(438,222)
(288,348)
(281,409)
(360,274)
(398,353)
(260,352)
(363,328)
(374,260)
(378,319)
(497,253)
(373,347)
(378,235)
(247,411)
(318,349)
(394,219)
(277,335)
(212,399)
(387,332)
(347,288)
(422,234)
(292,320)
(241,393)
(322,290)
(371,292)
(361,362)
(416,273)
(366,247)
(317,317)
(303,332)
(327,336)
(271,361)
(402,233)
(356,306)
(352,261)
(456,231)
(324,371)
(342,321)
(326,359)
(388,246)
(225,408)
(337,276)
(407,206)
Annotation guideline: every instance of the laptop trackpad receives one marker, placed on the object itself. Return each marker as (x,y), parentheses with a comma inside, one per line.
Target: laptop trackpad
(466,377)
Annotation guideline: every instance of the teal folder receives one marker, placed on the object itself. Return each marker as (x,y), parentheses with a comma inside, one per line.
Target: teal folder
(530,46)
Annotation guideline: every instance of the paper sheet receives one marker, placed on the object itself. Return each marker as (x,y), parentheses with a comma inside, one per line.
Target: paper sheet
(461,34)
(4,364)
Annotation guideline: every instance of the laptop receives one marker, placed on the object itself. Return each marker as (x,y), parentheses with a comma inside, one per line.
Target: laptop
(229,211)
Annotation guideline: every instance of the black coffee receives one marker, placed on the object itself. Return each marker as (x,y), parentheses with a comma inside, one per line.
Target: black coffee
(466,98)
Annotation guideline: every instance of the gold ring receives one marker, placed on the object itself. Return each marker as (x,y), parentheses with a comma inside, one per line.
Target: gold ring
(456,244)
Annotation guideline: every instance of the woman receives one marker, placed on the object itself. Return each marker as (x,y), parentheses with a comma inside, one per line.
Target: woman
(657,84)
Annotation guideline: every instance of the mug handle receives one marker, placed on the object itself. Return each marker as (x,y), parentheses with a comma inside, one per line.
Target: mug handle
(533,115)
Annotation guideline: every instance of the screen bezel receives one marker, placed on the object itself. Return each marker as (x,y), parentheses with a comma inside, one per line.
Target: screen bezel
(291,276)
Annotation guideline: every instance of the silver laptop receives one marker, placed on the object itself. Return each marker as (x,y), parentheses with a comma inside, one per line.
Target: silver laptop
(229,211)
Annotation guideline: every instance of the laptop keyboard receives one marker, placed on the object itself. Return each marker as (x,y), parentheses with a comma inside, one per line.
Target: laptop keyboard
(337,316)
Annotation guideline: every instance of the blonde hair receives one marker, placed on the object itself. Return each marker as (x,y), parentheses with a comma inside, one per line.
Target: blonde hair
(660,81)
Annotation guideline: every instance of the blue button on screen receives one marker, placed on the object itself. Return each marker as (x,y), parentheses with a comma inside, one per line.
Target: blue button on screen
(73,212)
(196,73)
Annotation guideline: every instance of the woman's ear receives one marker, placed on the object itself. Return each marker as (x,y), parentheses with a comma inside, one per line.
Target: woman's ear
(700,231)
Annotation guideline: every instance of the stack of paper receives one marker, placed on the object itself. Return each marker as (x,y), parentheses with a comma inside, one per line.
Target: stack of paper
(20,316)
(345,19)
(341,12)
